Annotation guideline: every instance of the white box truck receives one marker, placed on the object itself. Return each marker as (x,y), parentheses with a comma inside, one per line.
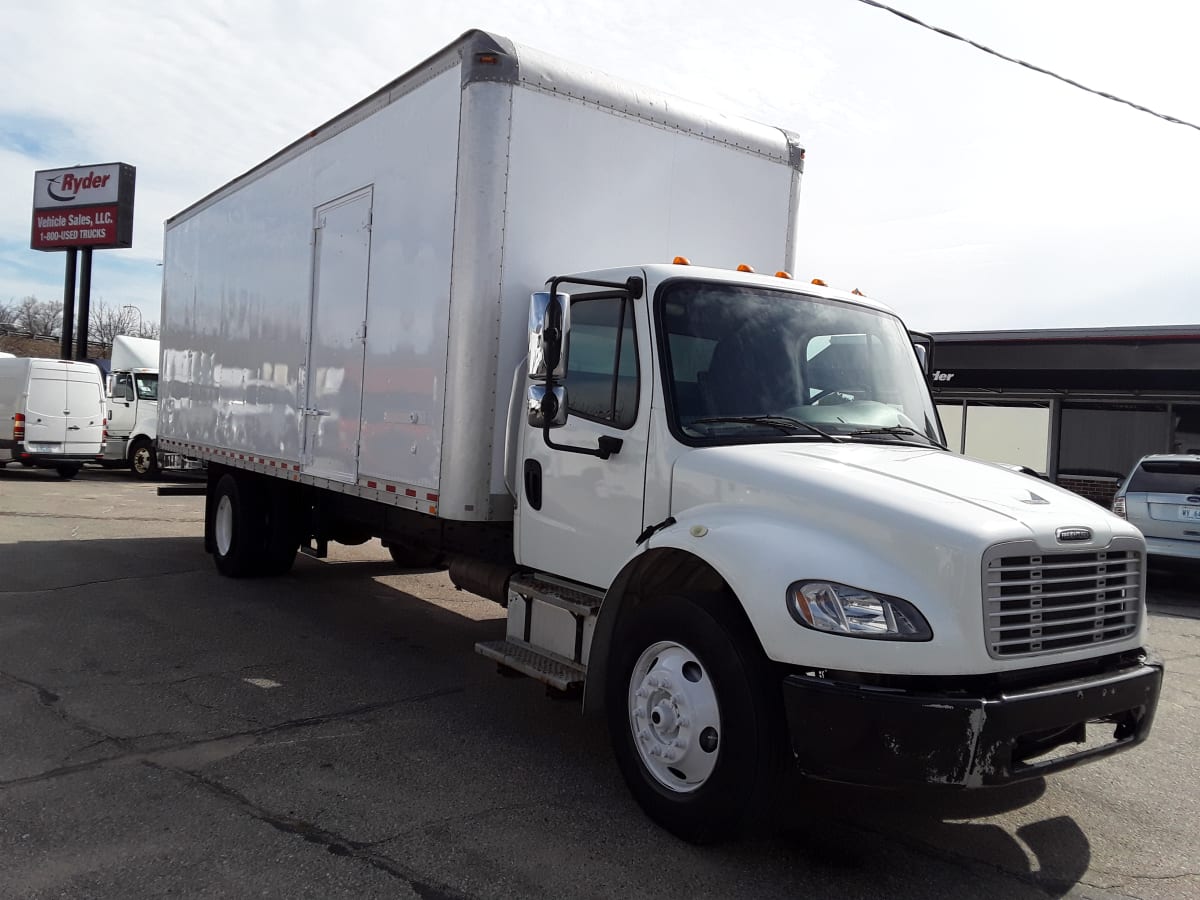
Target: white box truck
(133,405)
(716,504)
(51,414)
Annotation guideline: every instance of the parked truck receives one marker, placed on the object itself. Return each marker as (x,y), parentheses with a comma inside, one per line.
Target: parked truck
(717,504)
(133,405)
(51,414)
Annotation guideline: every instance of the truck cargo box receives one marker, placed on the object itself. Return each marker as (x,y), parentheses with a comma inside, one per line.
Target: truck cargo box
(351,311)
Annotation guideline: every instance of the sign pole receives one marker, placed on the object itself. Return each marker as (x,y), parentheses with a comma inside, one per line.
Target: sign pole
(85,304)
(68,318)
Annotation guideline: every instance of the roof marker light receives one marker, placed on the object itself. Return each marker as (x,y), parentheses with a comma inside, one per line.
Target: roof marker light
(857,293)
(682,261)
(783,274)
(819,283)
(742,267)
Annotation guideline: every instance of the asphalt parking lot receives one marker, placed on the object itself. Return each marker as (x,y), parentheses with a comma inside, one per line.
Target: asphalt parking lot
(331,733)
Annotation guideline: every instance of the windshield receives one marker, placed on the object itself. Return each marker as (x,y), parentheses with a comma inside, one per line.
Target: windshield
(757,364)
(147,386)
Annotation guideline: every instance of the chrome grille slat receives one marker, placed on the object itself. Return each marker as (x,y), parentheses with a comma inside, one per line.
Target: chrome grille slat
(1054,595)
(1025,582)
(1096,597)
(1055,623)
(1070,607)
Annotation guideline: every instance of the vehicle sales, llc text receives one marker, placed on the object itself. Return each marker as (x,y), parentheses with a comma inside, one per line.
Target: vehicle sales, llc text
(104,218)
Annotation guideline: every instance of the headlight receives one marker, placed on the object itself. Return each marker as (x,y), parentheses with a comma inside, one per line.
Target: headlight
(841,609)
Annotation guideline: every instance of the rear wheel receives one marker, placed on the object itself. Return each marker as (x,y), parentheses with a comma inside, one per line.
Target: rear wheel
(67,471)
(414,556)
(143,459)
(237,527)
(694,716)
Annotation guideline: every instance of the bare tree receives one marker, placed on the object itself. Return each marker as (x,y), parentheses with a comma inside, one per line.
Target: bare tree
(106,322)
(8,313)
(37,317)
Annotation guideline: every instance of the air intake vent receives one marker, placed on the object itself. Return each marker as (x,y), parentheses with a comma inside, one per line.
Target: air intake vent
(1044,603)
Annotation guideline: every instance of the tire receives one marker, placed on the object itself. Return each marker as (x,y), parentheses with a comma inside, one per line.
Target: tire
(694,717)
(66,471)
(143,459)
(237,526)
(415,556)
(282,534)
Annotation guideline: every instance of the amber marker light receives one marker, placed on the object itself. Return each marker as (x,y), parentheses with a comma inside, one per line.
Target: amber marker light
(819,283)
(682,261)
(742,267)
(857,293)
(487,59)
(783,274)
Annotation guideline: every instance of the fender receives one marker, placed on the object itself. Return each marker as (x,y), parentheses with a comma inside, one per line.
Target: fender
(759,552)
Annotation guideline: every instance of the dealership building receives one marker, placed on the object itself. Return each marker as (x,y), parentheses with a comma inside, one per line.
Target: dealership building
(1078,405)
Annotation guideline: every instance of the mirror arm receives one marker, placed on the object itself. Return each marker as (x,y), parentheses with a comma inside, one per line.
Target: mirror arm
(608,445)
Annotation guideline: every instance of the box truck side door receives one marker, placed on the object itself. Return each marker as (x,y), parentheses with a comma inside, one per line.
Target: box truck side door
(337,337)
(580,515)
(84,412)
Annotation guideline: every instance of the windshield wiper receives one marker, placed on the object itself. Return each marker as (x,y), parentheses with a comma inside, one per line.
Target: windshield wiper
(897,431)
(781,423)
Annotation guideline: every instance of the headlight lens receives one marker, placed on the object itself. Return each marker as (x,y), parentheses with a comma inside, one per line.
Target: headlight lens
(842,609)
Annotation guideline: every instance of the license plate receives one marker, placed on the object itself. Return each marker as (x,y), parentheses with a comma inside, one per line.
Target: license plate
(1189,512)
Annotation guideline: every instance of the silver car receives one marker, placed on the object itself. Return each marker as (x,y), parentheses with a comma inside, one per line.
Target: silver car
(1161,496)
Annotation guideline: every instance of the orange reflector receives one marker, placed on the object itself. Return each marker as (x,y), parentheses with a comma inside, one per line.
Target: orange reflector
(19,427)
(857,293)
(783,274)
(742,267)
(682,261)
(487,59)
(819,283)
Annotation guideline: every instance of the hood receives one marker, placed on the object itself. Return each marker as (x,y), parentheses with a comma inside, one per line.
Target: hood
(859,484)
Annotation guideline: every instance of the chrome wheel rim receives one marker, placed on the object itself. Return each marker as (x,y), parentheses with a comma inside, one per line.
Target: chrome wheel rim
(224,525)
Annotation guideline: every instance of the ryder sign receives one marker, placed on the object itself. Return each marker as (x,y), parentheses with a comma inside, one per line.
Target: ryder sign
(84,206)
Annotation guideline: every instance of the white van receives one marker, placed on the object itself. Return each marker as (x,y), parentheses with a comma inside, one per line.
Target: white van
(51,414)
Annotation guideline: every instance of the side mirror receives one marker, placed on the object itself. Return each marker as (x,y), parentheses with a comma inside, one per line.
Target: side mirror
(546,407)
(108,385)
(923,346)
(128,393)
(549,327)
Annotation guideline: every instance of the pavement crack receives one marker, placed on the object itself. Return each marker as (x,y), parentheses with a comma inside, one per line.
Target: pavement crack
(49,700)
(253,735)
(81,584)
(334,843)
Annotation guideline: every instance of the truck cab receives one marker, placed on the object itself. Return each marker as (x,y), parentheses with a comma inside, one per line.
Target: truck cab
(132,393)
(737,496)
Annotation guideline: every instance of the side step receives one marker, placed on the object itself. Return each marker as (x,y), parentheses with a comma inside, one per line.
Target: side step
(550,669)
(576,600)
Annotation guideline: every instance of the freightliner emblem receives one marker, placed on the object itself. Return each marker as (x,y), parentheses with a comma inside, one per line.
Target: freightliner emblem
(1067,535)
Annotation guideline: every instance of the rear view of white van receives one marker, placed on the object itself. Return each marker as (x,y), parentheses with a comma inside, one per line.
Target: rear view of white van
(51,414)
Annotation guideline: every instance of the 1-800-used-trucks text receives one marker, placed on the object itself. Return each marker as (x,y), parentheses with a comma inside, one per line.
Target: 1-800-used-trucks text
(716,504)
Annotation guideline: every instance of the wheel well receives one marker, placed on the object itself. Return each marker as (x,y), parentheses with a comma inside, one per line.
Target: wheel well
(654,573)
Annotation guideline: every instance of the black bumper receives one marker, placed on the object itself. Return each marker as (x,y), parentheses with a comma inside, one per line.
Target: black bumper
(844,731)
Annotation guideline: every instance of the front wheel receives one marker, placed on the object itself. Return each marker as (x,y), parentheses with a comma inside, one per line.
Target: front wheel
(694,716)
(143,459)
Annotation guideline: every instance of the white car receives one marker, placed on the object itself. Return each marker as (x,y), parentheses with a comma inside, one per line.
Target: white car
(1161,496)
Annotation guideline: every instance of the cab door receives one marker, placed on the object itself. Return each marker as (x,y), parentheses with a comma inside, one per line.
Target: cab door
(579,516)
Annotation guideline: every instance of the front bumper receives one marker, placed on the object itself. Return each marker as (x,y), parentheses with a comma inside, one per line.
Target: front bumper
(850,732)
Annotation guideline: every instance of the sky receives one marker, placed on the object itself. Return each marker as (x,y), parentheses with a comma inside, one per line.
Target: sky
(964,191)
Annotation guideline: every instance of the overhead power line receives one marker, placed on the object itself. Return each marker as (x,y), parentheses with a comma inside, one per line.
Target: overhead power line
(1021,62)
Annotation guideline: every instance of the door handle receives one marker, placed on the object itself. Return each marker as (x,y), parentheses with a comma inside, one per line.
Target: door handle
(72,428)
(533,483)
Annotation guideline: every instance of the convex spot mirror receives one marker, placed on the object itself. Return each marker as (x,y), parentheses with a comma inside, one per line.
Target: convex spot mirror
(549,328)
(546,407)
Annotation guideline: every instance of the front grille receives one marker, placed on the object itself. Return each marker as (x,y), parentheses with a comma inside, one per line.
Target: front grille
(1044,603)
